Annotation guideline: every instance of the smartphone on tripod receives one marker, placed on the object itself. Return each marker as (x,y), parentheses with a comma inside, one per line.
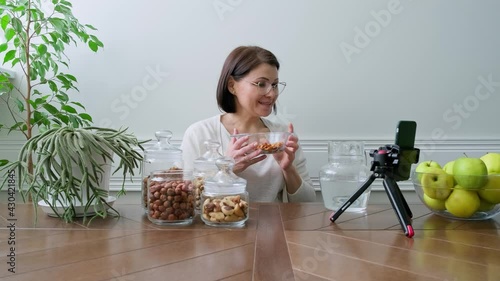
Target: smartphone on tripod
(392,163)
(408,155)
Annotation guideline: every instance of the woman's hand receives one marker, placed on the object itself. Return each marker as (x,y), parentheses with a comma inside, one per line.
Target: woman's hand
(286,157)
(243,153)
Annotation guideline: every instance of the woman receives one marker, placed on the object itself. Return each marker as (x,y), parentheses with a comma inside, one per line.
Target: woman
(247,92)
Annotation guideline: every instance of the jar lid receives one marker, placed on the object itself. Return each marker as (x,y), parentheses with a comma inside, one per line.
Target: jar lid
(206,162)
(225,181)
(163,148)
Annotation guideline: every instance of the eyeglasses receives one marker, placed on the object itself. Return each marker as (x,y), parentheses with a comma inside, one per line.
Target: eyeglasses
(263,88)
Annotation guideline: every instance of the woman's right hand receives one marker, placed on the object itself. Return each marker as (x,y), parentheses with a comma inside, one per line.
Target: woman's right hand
(243,153)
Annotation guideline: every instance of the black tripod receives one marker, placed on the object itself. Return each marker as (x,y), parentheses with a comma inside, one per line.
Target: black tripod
(390,164)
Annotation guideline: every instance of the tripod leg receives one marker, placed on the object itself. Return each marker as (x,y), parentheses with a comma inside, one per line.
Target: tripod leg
(353,198)
(399,205)
(403,200)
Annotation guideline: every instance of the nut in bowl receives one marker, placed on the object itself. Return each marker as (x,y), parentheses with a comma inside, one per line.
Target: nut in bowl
(269,143)
(449,196)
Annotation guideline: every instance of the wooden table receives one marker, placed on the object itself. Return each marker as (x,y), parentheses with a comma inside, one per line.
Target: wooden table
(280,242)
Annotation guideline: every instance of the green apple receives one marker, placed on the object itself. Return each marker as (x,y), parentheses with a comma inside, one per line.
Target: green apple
(434,204)
(436,183)
(448,167)
(422,167)
(462,203)
(485,206)
(491,190)
(492,162)
(470,173)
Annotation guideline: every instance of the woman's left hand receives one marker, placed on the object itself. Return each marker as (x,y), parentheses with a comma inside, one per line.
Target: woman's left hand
(286,157)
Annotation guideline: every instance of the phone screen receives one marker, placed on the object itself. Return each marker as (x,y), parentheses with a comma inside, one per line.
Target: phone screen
(408,155)
(405,134)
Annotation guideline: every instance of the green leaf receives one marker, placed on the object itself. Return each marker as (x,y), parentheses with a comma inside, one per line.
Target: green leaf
(33,104)
(40,118)
(62,9)
(71,77)
(45,39)
(50,109)
(19,9)
(79,104)
(52,86)
(65,38)
(9,34)
(62,117)
(58,24)
(15,61)
(36,15)
(93,46)
(17,43)
(85,116)
(63,97)
(3,162)
(68,108)
(5,21)
(33,74)
(74,121)
(40,69)
(9,56)
(3,47)
(97,41)
(90,26)
(17,25)
(37,93)
(19,125)
(42,49)
(39,101)
(54,36)
(22,57)
(66,3)
(20,105)
(4,77)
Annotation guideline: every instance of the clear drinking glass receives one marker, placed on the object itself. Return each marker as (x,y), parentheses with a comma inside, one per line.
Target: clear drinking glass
(345,172)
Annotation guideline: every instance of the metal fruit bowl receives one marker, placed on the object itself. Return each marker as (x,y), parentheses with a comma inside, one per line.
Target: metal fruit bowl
(444,196)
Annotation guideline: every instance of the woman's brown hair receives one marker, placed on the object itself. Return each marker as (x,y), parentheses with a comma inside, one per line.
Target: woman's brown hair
(239,63)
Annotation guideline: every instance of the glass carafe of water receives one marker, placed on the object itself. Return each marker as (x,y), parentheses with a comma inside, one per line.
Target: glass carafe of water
(345,172)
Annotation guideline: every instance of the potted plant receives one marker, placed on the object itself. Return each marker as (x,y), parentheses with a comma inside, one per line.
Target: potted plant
(37,34)
(71,169)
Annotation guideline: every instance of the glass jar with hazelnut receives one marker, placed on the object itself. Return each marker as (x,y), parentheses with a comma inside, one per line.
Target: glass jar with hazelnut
(225,199)
(160,156)
(170,197)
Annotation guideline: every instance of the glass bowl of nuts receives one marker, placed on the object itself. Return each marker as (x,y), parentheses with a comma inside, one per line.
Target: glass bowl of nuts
(268,143)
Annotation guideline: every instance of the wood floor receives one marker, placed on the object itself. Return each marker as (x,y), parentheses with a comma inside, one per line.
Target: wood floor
(279,242)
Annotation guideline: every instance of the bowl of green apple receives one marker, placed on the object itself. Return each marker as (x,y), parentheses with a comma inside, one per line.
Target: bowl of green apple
(466,188)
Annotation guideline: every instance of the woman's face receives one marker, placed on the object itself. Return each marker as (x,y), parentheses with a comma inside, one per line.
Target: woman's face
(251,92)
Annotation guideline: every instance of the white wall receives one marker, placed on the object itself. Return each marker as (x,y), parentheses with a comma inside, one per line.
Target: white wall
(427,61)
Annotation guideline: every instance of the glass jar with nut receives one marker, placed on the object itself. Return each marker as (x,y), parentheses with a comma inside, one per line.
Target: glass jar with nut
(170,197)
(160,156)
(204,167)
(225,199)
